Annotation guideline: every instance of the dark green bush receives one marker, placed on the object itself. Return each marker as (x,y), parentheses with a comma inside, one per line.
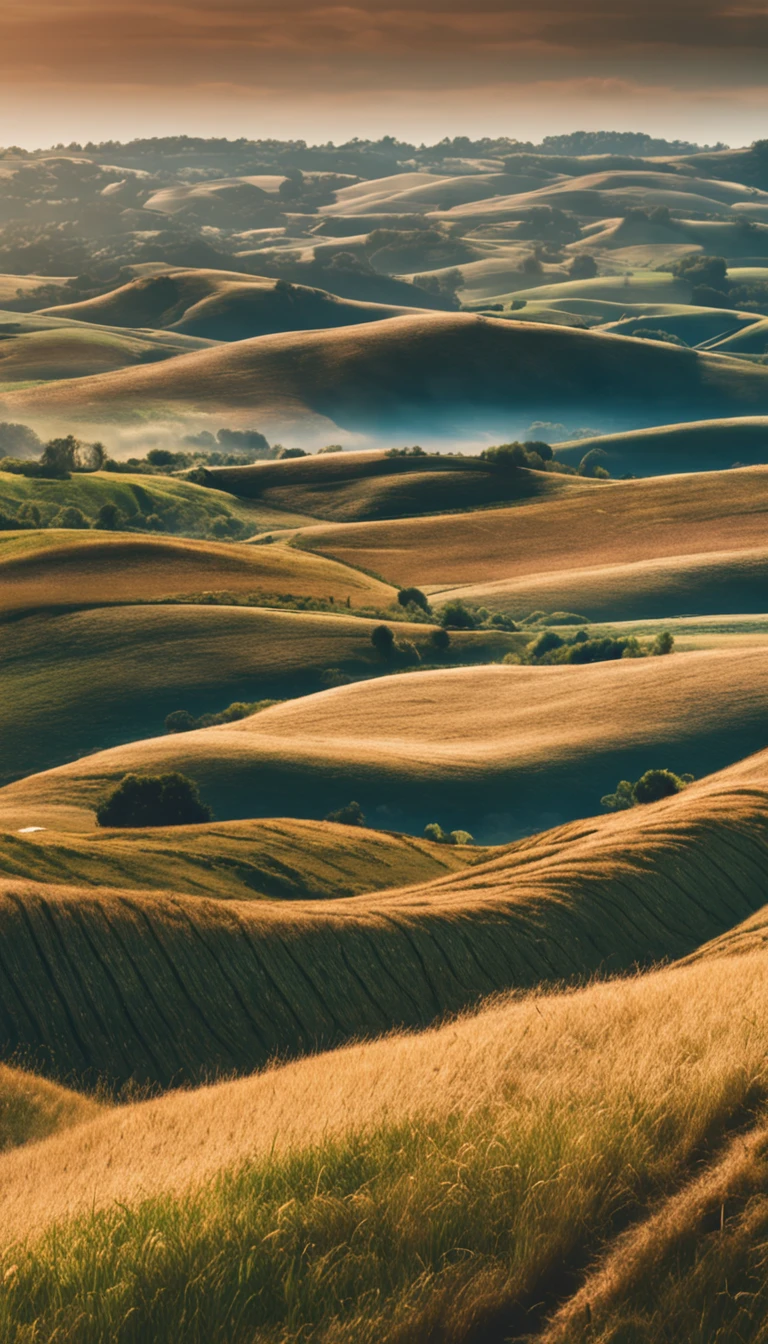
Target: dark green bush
(350,815)
(656,784)
(413,597)
(440,640)
(455,616)
(383,641)
(153,800)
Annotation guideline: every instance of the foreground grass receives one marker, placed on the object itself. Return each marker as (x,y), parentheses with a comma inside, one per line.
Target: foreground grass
(443,1187)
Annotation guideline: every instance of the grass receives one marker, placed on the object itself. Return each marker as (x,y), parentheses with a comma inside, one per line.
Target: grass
(76,682)
(496,750)
(282,860)
(352,486)
(157,988)
(707,445)
(33,1108)
(448,1186)
(384,374)
(189,510)
(78,352)
(57,568)
(615,523)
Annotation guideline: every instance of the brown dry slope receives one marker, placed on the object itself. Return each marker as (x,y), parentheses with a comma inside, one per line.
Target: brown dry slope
(697,530)
(164,987)
(496,749)
(58,568)
(385,373)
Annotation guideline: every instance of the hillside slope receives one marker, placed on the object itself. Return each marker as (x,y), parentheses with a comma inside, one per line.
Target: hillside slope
(222,306)
(59,568)
(618,523)
(709,445)
(386,374)
(495,750)
(164,987)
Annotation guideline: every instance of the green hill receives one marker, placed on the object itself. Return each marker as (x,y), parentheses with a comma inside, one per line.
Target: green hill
(706,445)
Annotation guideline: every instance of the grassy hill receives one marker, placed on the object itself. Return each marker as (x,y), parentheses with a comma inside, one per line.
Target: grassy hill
(58,568)
(348,487)
(72,682)
(706,445)
(446,367)
(283,860)
(730,583)
(497,750)
(162,987)
(222,306)
(35,348)
(617,523)
(182,507)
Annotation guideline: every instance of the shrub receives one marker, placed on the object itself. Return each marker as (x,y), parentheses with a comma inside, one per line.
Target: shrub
(583,267)
(70,517)
(461,838)
(663,644)
(440,640)
(109,518)
(180,721)
(622,799)
(153,800)
(413,597)
(656,784)
(435,833)
(500,621)
(544,643)
(350,815)
(331,448)
(591,464)
(291,452)
(383,641)
(455,616)
(333,676)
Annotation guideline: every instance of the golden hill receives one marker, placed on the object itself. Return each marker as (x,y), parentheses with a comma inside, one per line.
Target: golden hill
(73,682)
(382,373)
(222,306)
(32,1108)
(619,523)
(497,750)
(57,568)
(281,859)
(722,582)
(163,987)
(537,1130)
(360,485)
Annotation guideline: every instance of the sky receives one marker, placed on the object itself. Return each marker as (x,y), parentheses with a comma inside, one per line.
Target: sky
(111,69)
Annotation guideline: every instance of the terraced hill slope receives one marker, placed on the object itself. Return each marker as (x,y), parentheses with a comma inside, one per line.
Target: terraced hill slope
(385,374)
(57,568)
(362,485)
(282,860)
(72,682)
(222,306)
(619,523)
(495,750)
(163,987)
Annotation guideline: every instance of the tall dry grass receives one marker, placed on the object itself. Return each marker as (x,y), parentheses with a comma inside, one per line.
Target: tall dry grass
(449,1186)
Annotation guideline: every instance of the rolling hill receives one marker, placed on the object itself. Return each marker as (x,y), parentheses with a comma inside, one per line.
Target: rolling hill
(72,682)
(37,348)
(706,445)
(56,568)
(352,486)
(642,1084)
(281,860)
(222,306)
(497,750)
(447,367)
(616,523)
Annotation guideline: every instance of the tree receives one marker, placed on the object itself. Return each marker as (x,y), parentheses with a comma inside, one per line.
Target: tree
(180,721)
(413,597)
(544,643)
(109,518)
(656,784)
(583,267)
(70,517)
(58,457)
(440,640)
(331,448)
(456,616)
(153,800)
(350,815)
(622,799)
(291,452)
(383,641)
(18,440)
(663,643)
